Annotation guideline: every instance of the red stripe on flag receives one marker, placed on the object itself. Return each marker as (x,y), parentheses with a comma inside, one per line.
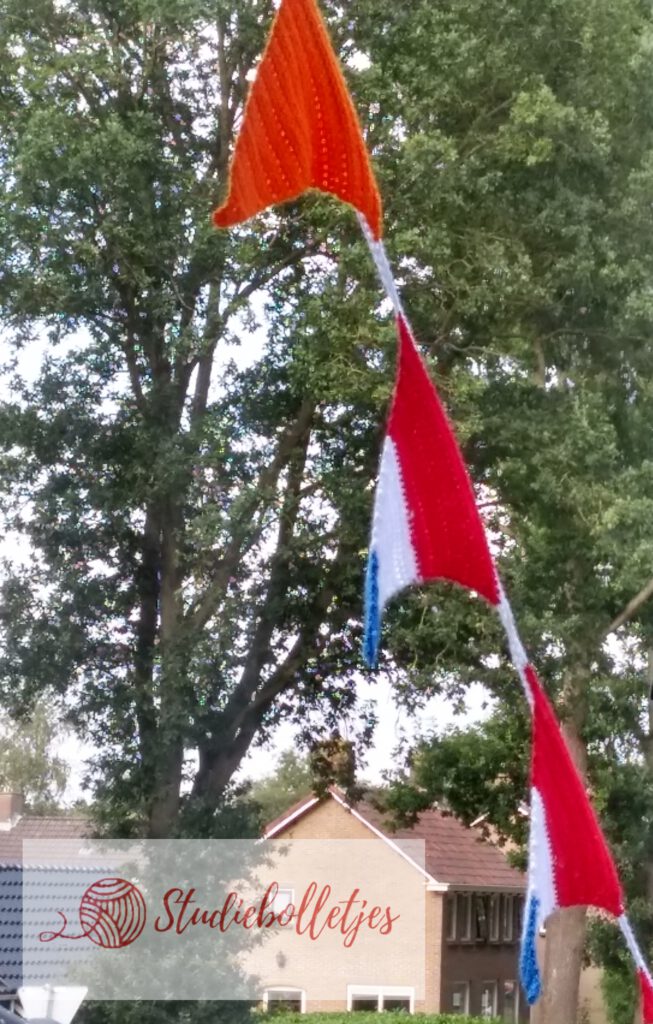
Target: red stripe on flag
(583,868)
(646,998)
(446,531)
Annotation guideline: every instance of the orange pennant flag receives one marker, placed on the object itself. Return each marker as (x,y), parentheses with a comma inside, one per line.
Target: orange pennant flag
(300,129)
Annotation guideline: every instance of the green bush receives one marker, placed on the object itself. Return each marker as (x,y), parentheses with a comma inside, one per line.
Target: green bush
(365,1017)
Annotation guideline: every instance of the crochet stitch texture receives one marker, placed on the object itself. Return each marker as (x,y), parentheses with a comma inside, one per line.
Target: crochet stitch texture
(300,128)
(425,523)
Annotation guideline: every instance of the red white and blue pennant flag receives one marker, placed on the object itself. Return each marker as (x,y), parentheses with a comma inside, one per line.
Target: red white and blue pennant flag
(425,525)
(300,131)
(569,864)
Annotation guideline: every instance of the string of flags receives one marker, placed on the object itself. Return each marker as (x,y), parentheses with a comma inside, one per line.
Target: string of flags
(300,131)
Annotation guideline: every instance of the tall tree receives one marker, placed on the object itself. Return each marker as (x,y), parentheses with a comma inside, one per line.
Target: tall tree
(196,521)
(29,763)
(198,524)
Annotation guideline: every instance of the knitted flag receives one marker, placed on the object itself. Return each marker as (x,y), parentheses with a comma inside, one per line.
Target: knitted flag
(646,994)
(569,862)
(425,523)
(300,129)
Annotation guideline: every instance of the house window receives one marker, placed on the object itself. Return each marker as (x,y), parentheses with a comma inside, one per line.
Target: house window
(508,927)
(510,1008)
(480,918)
(495,918)
(520,914)
(396,1003)
(377,998)
(370,1003)
(460,997)
(489,999)
(283,901)
(276,1000)
(450,918)
(464,916)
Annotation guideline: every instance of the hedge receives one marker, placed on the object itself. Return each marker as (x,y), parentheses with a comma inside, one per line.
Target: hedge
(365,1017)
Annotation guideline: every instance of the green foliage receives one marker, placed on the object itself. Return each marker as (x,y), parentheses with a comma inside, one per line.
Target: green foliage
(145,1012)
(28,764)
(193,488)
(275,793)
(620,995)
(332,762)
(389,1017)
(473,772)
(192,465)
(529,129)
(226,1013)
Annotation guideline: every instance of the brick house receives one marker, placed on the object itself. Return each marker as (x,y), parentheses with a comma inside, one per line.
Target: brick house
(472,913)
(473,906)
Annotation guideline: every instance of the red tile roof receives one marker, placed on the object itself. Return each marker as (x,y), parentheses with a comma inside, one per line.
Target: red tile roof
(305,802)
(454,853)
(11,842)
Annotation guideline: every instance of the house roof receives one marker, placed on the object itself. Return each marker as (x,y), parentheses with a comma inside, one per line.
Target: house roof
(28,896)
(11,842)
(454,854)
(25,891)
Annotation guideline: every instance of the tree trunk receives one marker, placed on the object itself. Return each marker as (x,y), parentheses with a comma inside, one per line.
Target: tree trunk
(565,932)
(563,960)
(170,760)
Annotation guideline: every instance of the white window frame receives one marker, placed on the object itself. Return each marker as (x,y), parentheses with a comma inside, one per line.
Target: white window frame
(508,916)
(515,1018)
(285,988)
(495,999)
(381,991)
(283,890)
(466,997)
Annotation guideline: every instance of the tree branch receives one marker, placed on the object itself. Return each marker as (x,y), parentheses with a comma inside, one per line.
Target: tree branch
(219,759)
(631,608)
(261,280)
(205,607)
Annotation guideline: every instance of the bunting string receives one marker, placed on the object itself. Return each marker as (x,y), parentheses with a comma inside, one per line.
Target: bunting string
(300,131)
(569,862)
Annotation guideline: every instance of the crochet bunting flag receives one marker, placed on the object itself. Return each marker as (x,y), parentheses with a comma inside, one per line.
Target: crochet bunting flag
(300,131)
(569,862)
(425,523)
(300,128)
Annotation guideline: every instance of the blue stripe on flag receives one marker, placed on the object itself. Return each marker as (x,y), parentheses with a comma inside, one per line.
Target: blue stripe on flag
(528,967)
(372,633)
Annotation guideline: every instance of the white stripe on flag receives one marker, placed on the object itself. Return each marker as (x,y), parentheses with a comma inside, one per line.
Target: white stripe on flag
(540,862)
(397,565)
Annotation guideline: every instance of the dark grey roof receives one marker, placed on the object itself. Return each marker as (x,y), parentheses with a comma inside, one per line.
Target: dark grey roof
(29,900)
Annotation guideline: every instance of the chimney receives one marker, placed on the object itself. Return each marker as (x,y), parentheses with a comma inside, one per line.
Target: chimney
(11,809)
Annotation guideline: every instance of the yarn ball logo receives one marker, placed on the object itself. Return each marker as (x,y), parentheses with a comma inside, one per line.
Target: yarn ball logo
(112,914)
